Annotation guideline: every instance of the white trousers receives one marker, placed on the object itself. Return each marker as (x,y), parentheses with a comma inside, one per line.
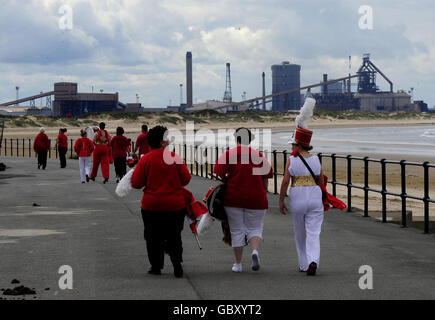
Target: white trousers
(85,166)
(306,208)
(244,223)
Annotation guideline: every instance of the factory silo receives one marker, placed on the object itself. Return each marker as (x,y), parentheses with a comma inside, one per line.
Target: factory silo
(286,76)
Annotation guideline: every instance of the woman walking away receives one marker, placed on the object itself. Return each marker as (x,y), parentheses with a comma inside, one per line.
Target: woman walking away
(62,147)
(84,148)
(162,174)
(102,153)
(41,145)
(305,196)
(120,148)
(246,173)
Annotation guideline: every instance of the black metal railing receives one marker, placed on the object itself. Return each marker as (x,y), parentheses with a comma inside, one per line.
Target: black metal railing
(200,160)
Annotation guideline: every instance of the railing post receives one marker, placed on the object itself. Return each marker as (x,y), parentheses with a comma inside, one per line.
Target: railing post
(71,146)
(23,148)
(275,174)
(403,193)
(49,150)
(426,196)
(30,148)
(185,153)
(18,150)
(191,159)
(366,187)
(12,148)
(334,174)
(349,183)
(384,191)
(196,160)
(201,162)
(285,161)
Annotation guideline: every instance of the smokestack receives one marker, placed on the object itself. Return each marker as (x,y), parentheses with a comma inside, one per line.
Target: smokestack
(264,91)
(325,87)
(189,79)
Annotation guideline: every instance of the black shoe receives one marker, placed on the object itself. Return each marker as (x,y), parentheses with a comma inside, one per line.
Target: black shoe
(312,269)
(87,178)
(39,166)
(106,180)
(83,182)
(178,270)
(153,271)
(90,178)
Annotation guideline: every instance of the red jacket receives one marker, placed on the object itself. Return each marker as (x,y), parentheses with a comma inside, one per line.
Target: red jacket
(84,147)
(120,146)
(62,140)
(163,182)
(142,143)
(41,143)
(245,187)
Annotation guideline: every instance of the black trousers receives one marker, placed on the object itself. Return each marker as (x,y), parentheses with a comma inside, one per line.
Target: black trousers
(162,233)
(62,156)
(120,167)
(42,159)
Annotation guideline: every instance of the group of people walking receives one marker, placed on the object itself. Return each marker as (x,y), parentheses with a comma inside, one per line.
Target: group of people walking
(244,170)
(102,148)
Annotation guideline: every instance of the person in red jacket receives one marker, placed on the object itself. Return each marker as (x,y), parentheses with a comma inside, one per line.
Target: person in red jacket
(142,142)
(62,147)
(84,148)
(120,148)
(41,145)
(101,153)
(163,201)
(246,173)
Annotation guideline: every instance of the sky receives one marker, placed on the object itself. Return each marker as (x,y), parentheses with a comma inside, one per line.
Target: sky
(138,47)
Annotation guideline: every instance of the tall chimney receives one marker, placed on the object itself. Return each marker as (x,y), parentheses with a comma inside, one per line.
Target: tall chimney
(189,79)
(325,86)
(264,91)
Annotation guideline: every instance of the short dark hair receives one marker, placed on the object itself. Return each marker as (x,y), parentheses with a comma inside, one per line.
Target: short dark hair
(243,136)
(102,126)
(144,128)
(155,136)
(63,130)
(120,131)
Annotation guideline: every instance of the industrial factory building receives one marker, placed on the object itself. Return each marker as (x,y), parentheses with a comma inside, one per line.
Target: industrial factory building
(69,102)
(286,76)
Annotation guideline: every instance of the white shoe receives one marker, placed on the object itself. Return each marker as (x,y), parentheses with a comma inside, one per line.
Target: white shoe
(237,267)
(255,263)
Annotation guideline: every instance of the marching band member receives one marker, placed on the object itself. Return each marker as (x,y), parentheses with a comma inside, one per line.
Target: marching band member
(245,198)
(62,147)
(120,148)
(101,153)
(163,202)
(84,148)
(142,142)
(41,145)
(305,196)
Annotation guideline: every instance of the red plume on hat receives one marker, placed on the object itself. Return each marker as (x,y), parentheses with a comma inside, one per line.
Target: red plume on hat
(303,135)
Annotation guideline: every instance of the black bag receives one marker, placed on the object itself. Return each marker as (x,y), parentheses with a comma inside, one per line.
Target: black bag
(2,167)
(215,202)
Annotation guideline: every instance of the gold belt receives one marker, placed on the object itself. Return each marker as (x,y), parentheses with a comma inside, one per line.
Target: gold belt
(303,181)
(101,143)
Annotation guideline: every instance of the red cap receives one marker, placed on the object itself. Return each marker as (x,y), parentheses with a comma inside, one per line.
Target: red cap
(303,136)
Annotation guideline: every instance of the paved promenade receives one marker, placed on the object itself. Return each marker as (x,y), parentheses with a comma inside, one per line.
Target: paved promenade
(100,236)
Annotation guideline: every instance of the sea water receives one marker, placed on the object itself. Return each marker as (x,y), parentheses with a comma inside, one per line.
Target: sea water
(371,141)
